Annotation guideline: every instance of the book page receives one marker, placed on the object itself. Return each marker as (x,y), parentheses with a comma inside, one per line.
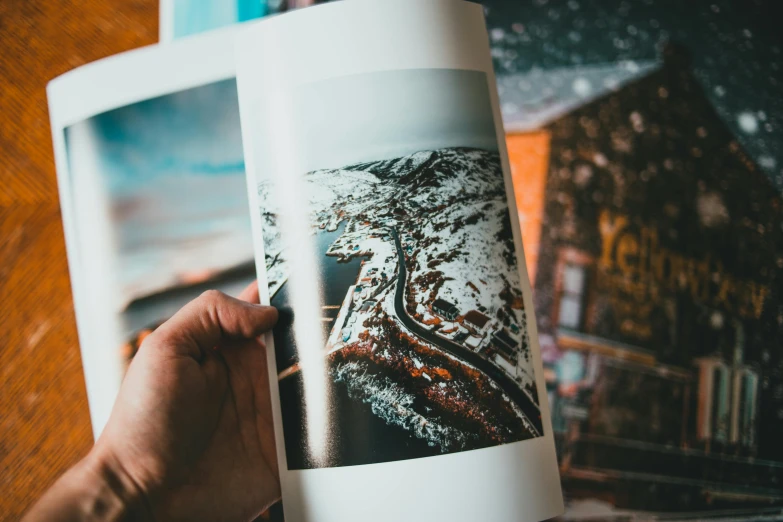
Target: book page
(151,177)
(409,378)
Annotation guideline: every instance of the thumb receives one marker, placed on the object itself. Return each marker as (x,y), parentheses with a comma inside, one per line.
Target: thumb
(210,320)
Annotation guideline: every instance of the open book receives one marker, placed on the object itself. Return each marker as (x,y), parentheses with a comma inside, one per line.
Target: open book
(383,224)
(650,221)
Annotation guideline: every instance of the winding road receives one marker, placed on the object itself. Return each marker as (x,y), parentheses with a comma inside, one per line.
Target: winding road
(509,386)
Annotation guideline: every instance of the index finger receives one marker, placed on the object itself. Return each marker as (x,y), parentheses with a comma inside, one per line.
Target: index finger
(210,319)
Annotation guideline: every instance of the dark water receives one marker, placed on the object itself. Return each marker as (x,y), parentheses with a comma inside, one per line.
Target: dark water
(357,435)
(336,278)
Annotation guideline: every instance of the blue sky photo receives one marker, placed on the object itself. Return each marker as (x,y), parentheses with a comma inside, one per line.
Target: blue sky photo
(174,172)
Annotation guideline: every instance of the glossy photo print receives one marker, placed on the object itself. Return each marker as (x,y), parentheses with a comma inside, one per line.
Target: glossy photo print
(403,330)
(170,174)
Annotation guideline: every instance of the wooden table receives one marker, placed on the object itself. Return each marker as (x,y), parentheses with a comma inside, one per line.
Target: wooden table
(44,421)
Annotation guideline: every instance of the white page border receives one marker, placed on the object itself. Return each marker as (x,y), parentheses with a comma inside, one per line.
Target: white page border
(166,21)
(355,37)
(78,95)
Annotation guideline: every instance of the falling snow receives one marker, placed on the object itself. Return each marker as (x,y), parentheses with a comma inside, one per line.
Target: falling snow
(748,122)
(737,65)
(582,86)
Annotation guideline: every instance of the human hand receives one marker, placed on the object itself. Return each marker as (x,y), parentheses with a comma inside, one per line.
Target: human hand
(190,436)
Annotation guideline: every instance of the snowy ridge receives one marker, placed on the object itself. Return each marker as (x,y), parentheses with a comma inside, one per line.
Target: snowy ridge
(444,214)
(452,204)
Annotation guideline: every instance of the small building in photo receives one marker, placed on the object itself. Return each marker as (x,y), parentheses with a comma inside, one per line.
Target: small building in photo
(501,361)
(505,346)
(445,309)
(473,342)
(476,322)
(367,305)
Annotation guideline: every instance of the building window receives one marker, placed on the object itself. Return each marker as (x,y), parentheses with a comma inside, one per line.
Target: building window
(748,408)
(572,298)
(720,403)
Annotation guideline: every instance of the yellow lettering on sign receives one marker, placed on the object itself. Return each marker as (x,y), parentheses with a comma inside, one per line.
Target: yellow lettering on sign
(758,293)
(609,227)
(726,290)
(698,279)
(635,266)
(627,247)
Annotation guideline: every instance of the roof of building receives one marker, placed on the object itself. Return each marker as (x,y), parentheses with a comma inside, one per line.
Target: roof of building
(472,341)
(443,305)
(476,318)
(536,98)
(504,342)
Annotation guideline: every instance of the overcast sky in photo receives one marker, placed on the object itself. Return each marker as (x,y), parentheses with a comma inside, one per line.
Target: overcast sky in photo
(389,114)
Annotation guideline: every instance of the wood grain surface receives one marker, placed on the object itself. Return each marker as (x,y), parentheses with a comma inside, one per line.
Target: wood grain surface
(44,421)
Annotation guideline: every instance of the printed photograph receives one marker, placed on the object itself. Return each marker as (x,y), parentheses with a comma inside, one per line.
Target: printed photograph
(172,173)
(403,330)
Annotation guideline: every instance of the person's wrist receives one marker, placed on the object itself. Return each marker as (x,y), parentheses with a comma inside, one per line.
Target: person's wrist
(116,495)
(97,489)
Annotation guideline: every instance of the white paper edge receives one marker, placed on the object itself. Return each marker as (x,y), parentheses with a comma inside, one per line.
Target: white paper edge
(90,90)
(319,494)
(166,21)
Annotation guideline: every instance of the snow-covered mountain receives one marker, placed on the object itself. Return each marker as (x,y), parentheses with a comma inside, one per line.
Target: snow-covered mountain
(415,183)
(448,208)
(450,204)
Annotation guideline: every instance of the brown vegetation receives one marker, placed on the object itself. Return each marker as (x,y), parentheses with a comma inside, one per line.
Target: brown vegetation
(468,402)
